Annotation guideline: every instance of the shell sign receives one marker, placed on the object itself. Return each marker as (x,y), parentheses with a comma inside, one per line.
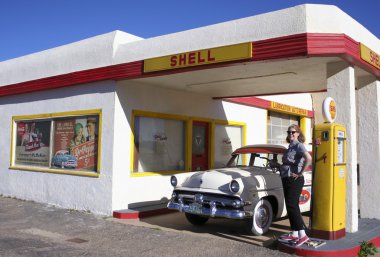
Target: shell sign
(228,53)
(332,110)
(329,110)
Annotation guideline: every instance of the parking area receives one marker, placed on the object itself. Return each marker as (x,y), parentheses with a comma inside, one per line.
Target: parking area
(34,229)
(233,230)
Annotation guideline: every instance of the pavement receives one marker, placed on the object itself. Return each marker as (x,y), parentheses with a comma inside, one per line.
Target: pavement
(33,229)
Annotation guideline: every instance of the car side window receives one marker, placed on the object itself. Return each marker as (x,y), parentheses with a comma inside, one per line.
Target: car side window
(261,160)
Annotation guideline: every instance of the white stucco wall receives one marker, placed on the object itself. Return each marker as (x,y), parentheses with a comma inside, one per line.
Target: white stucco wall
(68,191)
(369,157)
(134,96)
(94,52)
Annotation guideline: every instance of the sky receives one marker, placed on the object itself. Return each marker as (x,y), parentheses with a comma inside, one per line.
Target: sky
(28,26)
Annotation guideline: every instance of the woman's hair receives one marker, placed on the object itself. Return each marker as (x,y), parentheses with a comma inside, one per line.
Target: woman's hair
(301,137)
(77,127)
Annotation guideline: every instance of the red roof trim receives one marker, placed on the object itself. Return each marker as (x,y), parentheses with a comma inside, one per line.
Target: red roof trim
(258,102)
(250,101)
(293,46)
(114,72)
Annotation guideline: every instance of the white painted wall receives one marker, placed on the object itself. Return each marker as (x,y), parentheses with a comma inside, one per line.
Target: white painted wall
(134,96)
(369,157)
(95,52)
(341,87)
(68,191)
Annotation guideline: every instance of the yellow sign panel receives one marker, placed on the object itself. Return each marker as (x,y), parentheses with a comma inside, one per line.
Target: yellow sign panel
(370,56)
(288,109)
(332,110)
(201,57)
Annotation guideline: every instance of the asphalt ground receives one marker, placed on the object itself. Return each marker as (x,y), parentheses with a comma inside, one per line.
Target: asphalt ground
(33,229)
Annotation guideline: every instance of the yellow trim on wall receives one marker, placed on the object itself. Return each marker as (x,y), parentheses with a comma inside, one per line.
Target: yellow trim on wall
(303,123)
(56,171)
(57,114)
(52,116)
(132,149)
(188,141)
(211,158)
(157,173)
(159,115)
(266,127)
(189,145)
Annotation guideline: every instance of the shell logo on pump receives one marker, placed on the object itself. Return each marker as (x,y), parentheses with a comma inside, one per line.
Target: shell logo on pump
(329,110)
(304,197)
(332,109)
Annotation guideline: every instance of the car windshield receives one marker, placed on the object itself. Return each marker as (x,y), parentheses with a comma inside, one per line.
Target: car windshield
(254,160)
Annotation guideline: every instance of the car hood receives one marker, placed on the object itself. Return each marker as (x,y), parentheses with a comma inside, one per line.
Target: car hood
(218,179)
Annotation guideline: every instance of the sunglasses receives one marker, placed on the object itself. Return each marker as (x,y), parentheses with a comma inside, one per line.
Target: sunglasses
(291,132)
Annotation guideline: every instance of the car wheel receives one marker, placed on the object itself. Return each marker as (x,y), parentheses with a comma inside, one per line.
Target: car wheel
(262,218)
(196,220)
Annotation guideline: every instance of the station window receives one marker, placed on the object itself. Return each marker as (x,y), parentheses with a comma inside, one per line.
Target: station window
(278,123)
(60,143)
(227,139)
(159,144)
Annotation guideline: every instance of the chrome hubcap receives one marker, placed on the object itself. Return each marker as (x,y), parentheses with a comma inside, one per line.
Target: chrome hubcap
(261,217)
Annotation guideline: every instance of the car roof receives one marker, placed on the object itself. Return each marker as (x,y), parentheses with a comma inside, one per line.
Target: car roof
(261,148)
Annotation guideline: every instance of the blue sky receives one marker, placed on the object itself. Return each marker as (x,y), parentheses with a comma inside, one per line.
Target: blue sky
(28,26)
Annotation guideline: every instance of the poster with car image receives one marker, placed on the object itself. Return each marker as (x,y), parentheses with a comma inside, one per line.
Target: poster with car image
(33,143)
(75,143)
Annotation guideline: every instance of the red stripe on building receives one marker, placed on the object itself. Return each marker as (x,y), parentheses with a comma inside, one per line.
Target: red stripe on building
(293,46)
(250,101)
(257,102)
(114,72)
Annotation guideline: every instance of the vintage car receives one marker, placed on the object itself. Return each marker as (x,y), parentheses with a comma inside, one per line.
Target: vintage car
(249,188)
(64,159)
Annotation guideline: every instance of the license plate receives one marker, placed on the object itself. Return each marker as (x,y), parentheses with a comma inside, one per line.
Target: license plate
(195,208)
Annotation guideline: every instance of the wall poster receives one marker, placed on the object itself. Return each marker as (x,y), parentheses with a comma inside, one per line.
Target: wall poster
(33,143)
(67,143)
(75,143)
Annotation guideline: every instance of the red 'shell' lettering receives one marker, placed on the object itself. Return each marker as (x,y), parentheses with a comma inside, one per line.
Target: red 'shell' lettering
(374,58)
(191,58)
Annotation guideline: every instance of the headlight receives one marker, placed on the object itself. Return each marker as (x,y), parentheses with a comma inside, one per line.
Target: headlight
(173,181)
(234,186)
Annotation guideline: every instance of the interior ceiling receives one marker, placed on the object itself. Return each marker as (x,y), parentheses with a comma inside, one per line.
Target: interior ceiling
(251,78)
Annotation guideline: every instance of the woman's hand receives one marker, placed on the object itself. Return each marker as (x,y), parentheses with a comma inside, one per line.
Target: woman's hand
(296,176)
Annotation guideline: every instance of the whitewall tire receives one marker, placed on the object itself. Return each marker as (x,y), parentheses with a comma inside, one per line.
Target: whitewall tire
(262,218)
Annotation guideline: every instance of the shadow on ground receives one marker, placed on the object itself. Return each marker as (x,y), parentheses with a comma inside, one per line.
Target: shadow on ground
(220,228)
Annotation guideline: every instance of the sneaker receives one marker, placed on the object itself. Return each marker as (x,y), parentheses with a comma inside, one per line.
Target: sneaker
(301,241)
(289,237)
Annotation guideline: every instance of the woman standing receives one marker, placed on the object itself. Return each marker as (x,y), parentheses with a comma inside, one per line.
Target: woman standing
(294,162)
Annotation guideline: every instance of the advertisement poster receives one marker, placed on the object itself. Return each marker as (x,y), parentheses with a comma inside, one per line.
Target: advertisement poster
(75,143)
(33,143)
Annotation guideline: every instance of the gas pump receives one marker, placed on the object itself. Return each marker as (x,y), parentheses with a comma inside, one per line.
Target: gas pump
(329,179)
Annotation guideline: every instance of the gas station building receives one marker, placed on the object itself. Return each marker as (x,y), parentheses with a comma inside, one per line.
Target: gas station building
(135,111)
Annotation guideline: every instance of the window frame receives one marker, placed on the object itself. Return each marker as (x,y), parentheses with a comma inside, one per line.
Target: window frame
(157,116)
(299,118)
(188,139)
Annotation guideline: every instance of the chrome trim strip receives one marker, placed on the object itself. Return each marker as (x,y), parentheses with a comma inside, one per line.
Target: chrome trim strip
(212,212)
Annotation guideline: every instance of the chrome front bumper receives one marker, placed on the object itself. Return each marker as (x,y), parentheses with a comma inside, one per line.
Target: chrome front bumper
(212,211)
